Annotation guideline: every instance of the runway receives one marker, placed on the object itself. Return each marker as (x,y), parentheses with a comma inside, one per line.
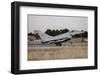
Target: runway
(64,45)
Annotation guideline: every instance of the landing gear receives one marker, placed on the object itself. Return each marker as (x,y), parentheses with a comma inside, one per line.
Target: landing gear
(58,44)
(71,42)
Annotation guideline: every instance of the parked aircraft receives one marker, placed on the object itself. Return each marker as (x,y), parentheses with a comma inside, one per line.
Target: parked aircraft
(59,39)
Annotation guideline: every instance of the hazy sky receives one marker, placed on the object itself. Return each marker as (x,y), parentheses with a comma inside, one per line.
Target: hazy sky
(44,22)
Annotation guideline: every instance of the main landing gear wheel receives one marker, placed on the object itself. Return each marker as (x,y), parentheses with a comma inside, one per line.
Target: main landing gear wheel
(58,44)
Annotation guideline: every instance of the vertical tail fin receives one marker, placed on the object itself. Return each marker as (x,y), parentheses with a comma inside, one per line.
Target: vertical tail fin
(42,35)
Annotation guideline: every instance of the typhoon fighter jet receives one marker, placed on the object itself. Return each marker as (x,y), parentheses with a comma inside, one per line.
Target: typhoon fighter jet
(59,39)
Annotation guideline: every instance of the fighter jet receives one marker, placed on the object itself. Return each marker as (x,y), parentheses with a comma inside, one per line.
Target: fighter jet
(59,39)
